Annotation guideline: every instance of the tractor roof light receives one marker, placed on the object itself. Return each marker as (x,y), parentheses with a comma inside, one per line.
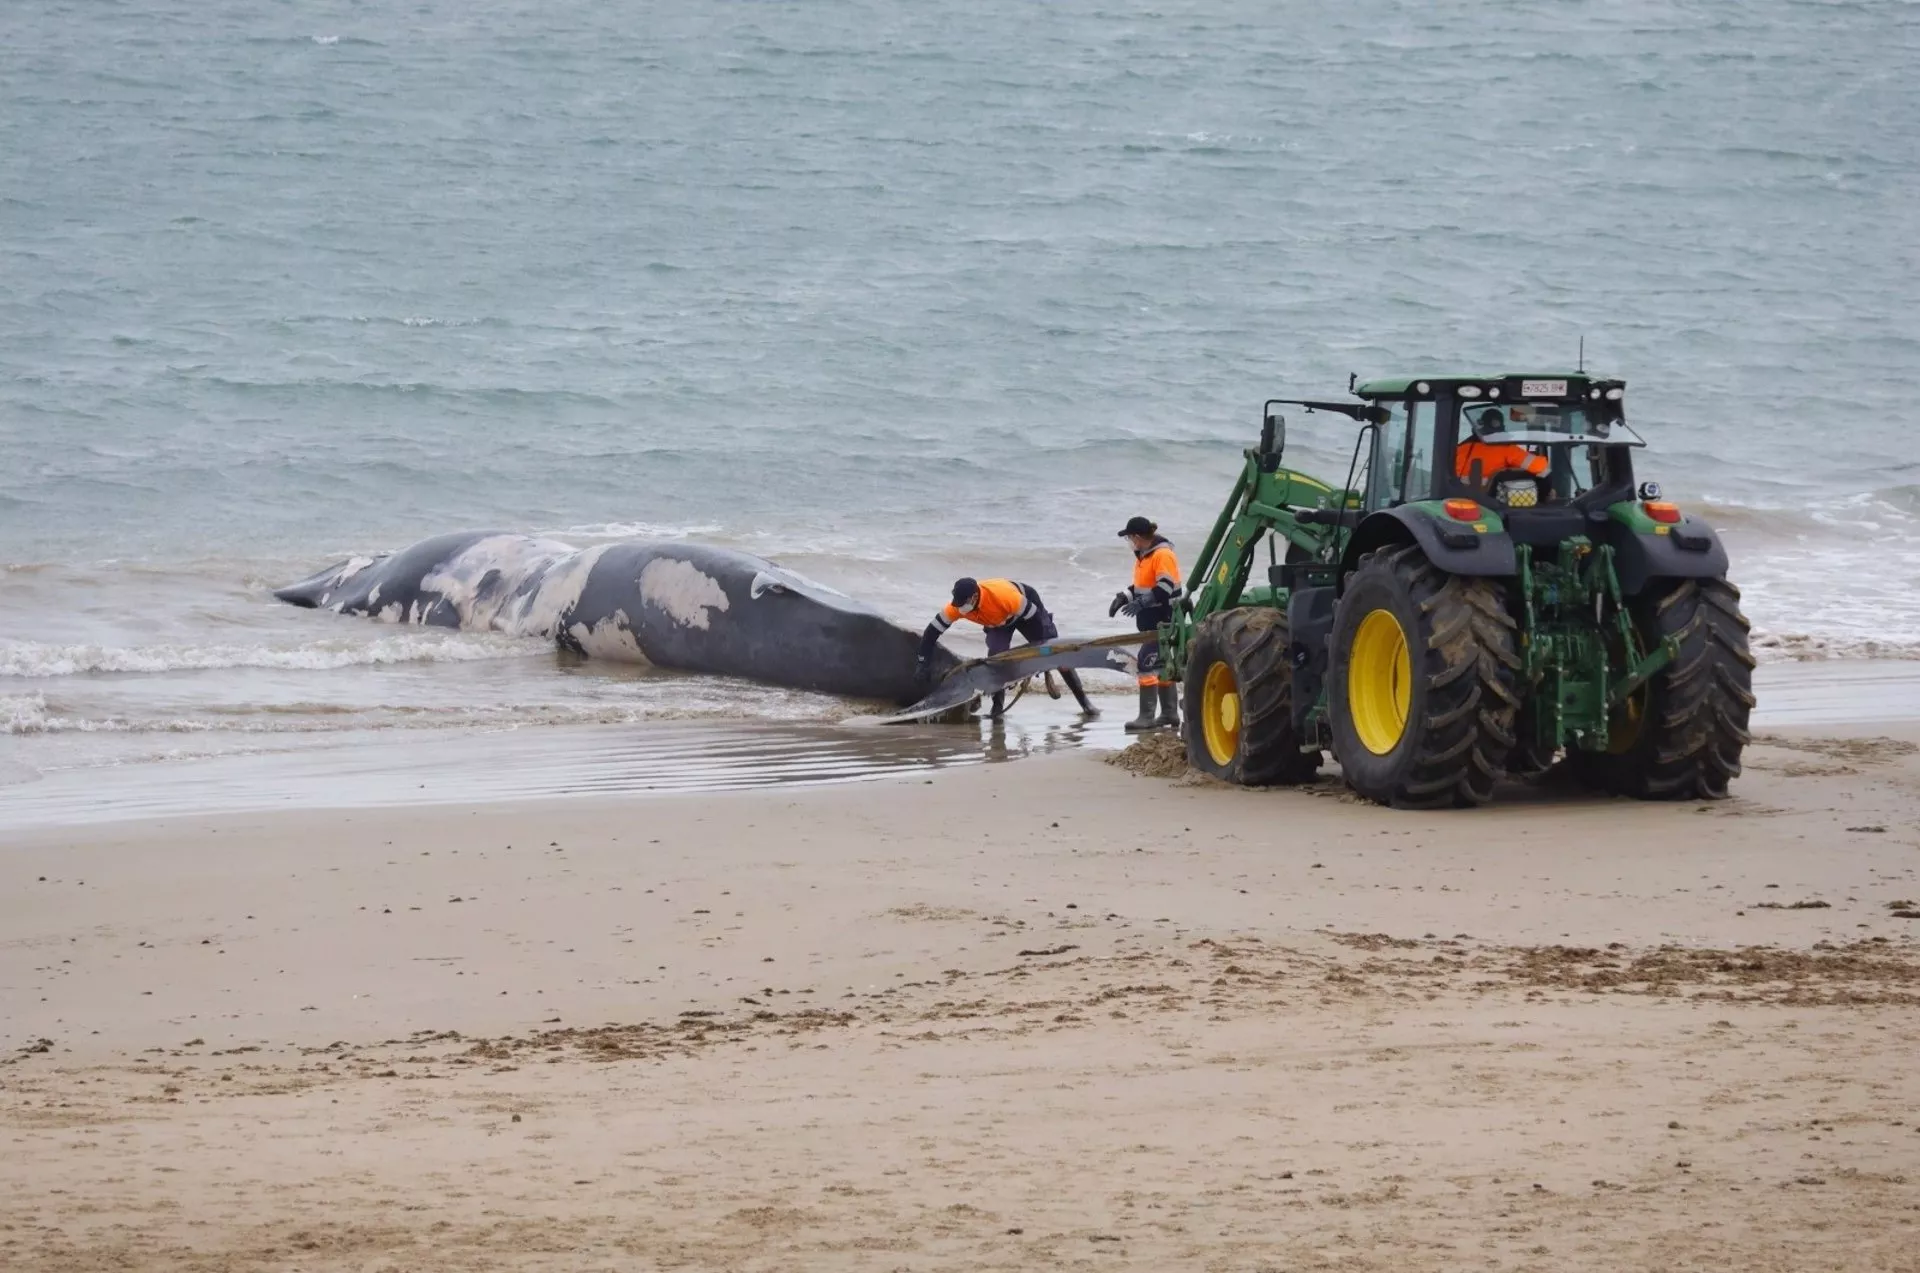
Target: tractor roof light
(1463,510)
(1594,394)
(1468,391)
(1423,388)
(1493,391)
(1662,511)
(1616,393)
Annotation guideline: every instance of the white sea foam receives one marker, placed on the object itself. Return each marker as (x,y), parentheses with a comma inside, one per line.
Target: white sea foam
(36,659)
(636,530)
(1800,647)
(29,714)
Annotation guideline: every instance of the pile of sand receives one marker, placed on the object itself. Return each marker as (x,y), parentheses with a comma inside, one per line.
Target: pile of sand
(1161,754)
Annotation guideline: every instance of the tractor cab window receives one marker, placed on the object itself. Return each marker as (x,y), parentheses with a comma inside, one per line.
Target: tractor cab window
(1524,453)
(1418,480)
(1389,458)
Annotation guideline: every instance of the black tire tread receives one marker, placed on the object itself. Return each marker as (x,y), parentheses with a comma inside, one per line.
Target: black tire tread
(1468,651)
(1698,707)
(1254,642)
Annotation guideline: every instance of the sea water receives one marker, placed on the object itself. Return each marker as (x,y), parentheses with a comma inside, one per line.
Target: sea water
(888,293)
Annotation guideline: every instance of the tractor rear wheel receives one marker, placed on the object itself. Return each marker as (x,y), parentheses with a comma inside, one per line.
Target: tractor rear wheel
(1422,687)
(1239,701)
(1679,737)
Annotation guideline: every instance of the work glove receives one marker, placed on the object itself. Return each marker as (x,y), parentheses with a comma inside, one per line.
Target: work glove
(1123,603)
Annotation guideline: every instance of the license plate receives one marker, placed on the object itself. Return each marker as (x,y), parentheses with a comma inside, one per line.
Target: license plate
(1543,388)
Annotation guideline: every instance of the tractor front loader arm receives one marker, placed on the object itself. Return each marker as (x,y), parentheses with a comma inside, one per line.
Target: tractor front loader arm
(1265,502)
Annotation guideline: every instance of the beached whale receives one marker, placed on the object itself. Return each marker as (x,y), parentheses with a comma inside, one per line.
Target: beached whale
(675,605)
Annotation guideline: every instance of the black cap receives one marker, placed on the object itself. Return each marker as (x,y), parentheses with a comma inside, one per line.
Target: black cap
(1138,526)
(965,590)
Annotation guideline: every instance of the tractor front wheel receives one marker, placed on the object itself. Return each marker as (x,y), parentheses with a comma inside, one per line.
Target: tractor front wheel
(1421,689)
(1679,737)
(1239,701)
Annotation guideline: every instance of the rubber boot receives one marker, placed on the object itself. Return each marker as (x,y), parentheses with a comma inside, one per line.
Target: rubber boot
(999,705)
(1072,678)
(1144,721)
(1169,706)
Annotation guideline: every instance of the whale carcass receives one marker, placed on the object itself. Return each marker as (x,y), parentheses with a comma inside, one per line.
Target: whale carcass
(693,607)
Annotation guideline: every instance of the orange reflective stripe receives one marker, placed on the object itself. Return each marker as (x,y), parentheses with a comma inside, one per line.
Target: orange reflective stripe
(1000,603)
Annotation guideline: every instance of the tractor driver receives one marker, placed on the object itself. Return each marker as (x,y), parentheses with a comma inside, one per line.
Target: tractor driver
(1493,458)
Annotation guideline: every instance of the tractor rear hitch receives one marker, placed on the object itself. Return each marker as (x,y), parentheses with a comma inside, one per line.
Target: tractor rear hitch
(1643,671)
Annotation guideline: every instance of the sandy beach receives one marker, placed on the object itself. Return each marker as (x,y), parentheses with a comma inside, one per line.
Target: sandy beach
(1044,1014)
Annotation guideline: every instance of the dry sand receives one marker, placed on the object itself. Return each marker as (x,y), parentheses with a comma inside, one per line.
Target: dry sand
(1049,1014)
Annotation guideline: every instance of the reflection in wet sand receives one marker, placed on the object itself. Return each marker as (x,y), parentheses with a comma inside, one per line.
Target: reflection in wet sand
(361,770)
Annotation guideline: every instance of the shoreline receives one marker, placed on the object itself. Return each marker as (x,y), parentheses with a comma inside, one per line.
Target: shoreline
(394,769)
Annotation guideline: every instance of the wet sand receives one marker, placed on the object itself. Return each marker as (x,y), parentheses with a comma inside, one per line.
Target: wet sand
(390,768)
(999,1016)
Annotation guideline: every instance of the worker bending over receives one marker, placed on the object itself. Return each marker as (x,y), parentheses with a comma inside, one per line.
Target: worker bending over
(1003,608)
(1156,586)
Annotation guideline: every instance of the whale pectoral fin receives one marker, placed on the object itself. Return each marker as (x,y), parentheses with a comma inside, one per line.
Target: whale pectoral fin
(953,692)
(989,675)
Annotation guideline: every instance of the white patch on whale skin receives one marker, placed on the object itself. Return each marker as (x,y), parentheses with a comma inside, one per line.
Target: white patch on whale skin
(611,638)
(353,566)
(541,611)
(513,558)
(373,598)
(686,592)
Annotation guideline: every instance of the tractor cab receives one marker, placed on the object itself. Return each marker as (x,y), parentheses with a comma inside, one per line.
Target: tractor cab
(1513,442)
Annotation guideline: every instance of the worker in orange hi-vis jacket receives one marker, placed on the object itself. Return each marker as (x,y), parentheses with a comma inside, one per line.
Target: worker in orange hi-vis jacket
(1004,608)
(1156,586)
(1480,460)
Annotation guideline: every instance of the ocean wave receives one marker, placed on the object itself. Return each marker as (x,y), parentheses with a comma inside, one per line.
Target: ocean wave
(1901,503)
(1802,647)
(379,390)
(33,659)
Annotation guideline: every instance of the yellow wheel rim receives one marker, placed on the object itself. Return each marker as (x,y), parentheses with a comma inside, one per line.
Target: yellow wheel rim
(1623,731)
(1379,682)
(1220,714)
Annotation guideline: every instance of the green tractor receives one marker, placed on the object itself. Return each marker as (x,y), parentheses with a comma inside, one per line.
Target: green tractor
(1491,591)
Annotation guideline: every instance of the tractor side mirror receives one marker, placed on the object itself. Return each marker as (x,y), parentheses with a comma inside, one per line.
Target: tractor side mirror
(1273,442)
